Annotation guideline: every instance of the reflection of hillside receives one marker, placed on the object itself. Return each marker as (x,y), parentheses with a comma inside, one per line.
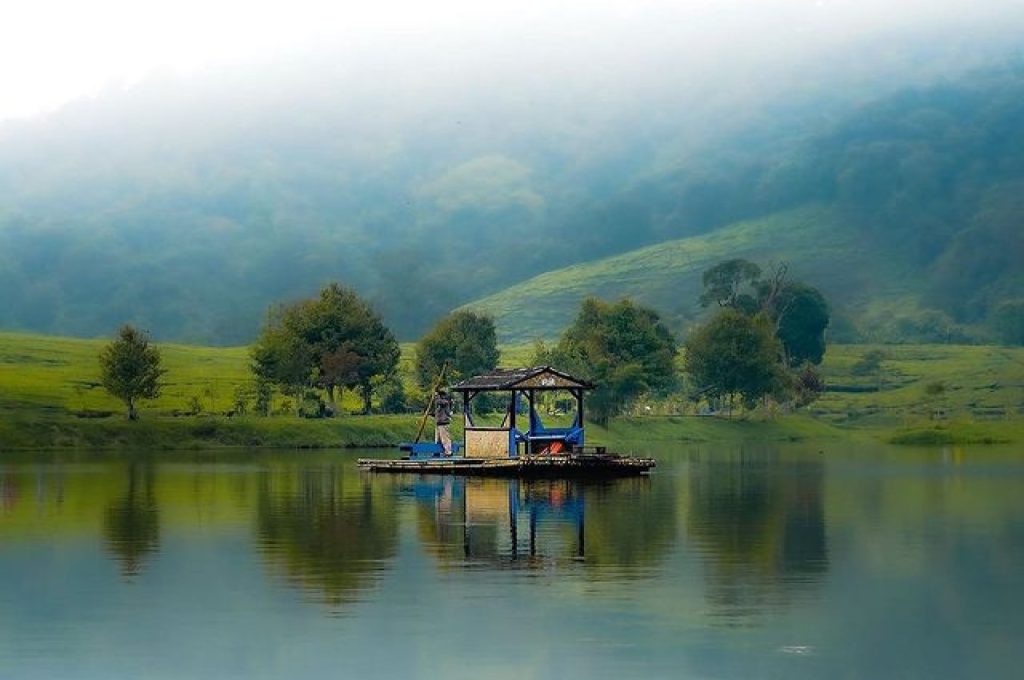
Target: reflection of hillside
(760,526)
(325,530)
(538,523)
(131,524)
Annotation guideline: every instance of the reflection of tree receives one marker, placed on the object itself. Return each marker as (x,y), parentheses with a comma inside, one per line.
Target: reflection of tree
(131,525)
(761,526)
(327,531)
(631,523)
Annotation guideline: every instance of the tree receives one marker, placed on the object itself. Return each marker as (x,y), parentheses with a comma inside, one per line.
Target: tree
(465,339)
(623,348)
(1007,319)
(130,368)
(799,311)
(801,316)
(723,284)
(333,341)
(734,354)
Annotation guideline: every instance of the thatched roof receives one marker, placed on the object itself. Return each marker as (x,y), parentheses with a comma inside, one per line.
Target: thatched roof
(535,378)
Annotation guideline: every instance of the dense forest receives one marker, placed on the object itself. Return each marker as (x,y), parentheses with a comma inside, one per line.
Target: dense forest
(137,206)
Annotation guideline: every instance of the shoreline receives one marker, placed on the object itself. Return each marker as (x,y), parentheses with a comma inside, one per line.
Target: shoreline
(158,433)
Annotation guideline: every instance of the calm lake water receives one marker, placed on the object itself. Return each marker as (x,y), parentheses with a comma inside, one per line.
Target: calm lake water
(728,562)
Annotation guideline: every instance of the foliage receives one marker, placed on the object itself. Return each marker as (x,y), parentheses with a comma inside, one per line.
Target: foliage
(392,395)
(465,340)
(808,384)
(801,317)
(724,282)
(333,341)
(623,348)
(799,311)
(728,356)
(130,368)
(929,326)
(870,363)
(194,405)
(734,354)
(1007,320)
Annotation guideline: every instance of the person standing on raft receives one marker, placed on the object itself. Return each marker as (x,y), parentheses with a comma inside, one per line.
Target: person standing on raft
(442,419)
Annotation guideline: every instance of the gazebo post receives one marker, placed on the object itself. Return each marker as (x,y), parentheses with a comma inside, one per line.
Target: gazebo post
(513,448)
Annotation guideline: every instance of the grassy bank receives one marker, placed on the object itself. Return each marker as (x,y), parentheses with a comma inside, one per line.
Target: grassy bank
(918,394)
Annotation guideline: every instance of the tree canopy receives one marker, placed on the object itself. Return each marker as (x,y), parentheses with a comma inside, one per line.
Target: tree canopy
(723,284)
(799,311)
(623,348)
(801,316)
(734,354)
(763,340)
(465,340)
(333,341)
(130,368)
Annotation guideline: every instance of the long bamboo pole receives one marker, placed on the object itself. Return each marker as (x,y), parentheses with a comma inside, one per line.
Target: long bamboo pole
(430,402)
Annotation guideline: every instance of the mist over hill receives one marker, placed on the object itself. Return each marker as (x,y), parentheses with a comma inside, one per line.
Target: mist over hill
(187,205)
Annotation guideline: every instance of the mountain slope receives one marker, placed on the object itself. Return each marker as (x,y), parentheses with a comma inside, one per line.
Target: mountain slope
(187,208)
(815,241)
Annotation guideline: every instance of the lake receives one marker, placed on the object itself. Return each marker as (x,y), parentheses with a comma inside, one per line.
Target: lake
(802,561)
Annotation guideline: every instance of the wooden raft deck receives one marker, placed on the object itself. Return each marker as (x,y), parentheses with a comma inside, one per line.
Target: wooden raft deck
(557,465)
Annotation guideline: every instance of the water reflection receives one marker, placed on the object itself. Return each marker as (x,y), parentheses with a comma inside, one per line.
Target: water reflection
(542,523)
(725,563)
(131,524)
(759,523)
(325,530)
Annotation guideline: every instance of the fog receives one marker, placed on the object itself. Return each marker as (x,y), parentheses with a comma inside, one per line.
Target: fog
(185,165)
(53,51)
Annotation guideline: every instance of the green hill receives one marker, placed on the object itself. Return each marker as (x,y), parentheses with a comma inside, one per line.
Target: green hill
(188,213)
(814,240)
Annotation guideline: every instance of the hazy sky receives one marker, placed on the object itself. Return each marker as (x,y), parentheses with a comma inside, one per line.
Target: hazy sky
(52,51)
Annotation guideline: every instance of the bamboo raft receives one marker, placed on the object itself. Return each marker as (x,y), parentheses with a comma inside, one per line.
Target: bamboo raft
(577,464)
(522,445)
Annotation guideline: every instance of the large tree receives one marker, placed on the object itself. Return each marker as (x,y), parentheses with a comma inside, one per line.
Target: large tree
(724,284)
(735,354)
(465,340)
(333,341)
(801,316)
(800,312)
(130,368)
(624,348)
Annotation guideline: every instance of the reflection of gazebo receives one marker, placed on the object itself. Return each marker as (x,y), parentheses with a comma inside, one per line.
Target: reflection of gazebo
(503,441)
(479,520)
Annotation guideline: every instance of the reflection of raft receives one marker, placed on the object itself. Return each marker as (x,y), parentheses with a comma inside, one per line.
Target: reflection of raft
(522,445)
(578,464)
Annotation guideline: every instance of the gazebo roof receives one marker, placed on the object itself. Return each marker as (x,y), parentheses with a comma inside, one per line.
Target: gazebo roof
(535,378)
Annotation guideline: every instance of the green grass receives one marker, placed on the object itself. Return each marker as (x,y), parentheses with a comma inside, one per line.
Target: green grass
(920,385)
(924,394)
(820,247)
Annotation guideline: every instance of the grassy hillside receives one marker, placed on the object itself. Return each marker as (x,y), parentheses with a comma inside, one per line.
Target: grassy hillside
(49,397)
(814,239)
(101,226)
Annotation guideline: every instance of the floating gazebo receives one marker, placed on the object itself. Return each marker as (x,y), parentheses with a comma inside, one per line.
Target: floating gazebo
(514,438)
(521,445)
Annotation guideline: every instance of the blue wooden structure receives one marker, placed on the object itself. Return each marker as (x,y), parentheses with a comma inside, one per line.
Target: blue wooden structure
(522,445)
(425,450)
(514,437)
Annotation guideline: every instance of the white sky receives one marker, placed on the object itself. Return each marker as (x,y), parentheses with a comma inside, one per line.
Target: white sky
(52,51)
